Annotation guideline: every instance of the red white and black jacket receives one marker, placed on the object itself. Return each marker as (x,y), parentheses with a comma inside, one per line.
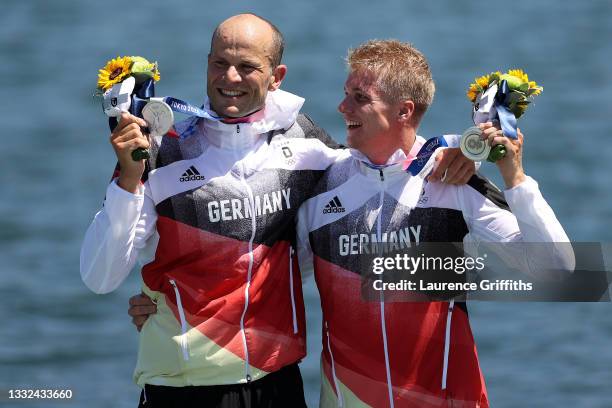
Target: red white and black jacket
(405,354)
(213,226)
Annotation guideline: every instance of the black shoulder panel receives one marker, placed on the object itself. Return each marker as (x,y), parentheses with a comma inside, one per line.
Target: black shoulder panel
(485,187)
(305,127)
(312,130)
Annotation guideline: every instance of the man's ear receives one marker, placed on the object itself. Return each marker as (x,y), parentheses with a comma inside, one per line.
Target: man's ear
(406,110)
(278,74)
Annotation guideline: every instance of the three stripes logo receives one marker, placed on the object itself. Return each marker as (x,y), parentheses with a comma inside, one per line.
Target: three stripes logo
(334,206)
(192,174)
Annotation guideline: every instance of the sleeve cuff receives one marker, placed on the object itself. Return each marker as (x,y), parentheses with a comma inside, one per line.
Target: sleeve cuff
(113,188)
(452,140)
(526,185)
(523,196)
(123,206)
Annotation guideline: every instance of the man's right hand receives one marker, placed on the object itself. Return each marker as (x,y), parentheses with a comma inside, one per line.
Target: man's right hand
(141,306)
(452,167)
(126,138)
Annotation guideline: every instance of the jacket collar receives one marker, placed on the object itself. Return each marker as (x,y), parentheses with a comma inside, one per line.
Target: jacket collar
(280,112)
(398,162)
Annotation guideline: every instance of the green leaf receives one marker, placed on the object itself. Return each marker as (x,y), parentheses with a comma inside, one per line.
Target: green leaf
(514,83)
(520,108)
(515,97)
(141,69)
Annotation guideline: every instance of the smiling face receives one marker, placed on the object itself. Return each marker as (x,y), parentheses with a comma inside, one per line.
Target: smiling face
(240,73)
(372,123)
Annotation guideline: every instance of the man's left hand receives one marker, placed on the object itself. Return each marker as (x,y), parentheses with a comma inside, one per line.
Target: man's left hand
(511,165)
(452,167)
(141,306)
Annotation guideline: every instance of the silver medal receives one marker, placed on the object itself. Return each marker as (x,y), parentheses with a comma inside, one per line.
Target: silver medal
(159,116)
(472,146)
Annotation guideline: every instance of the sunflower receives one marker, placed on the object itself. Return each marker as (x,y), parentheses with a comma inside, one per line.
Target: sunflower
(472,94)
(153,71)
(534,89)
(478,86)
(114,72)
(156,76)
(483,81)
(518,73)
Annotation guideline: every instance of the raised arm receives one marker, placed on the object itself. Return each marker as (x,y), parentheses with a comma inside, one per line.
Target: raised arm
(126,220)
(520,215)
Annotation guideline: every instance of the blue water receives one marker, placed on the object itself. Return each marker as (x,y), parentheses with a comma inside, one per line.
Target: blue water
(57,162)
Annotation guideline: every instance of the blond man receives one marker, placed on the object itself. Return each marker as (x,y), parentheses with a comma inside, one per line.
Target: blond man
(404,354)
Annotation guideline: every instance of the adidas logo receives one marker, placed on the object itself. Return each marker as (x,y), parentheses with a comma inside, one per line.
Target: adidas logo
(192,174)
(334,206)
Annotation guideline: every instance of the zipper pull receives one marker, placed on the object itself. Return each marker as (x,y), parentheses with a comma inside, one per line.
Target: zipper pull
(237,128)
(382,176)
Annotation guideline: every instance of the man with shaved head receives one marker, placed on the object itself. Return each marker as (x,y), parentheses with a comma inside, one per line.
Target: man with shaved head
(211,217)
(244,44)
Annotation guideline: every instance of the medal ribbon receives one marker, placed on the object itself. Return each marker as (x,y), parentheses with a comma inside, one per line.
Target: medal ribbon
(147,90)
(421,159)
(188,109)
(507,120)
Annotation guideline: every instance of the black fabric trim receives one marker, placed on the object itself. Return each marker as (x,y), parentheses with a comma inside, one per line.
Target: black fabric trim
(282,388)
(304,127)
(485,187)
(311,130)
(167,153)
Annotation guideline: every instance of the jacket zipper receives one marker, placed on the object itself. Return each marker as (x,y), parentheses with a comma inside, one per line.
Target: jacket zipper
(381,294)
(179,305)
(295,326)
(247,366)
(449,317)
(382,315)
(333,368)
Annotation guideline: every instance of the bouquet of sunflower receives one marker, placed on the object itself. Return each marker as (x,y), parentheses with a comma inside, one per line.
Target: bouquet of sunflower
(519,89)
(120,68)
(126,84)
(497,97)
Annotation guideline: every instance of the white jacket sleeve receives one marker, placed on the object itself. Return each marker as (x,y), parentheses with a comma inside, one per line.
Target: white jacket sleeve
(531,220)
(304,251)
(112,241)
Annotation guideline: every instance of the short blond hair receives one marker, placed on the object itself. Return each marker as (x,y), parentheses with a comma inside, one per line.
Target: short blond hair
(401,71)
